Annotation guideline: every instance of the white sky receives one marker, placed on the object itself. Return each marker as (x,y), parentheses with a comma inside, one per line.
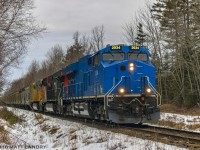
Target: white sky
(64,17)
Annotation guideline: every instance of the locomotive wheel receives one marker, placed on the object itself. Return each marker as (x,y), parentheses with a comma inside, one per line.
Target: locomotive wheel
(38,106)
(91,108)
(55,109)
(41,106)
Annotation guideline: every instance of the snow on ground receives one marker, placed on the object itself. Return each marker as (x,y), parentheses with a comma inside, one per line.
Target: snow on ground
(185,120)
(188,120)
(55,134)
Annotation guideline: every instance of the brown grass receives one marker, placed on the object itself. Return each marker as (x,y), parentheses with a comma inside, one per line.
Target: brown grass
(171,124)
(87,140)
(2,130)
(40,118)
(73,137)
(45,128)
(170,108)
(9,116)
(72,130)
(178,125)
(101,139)
(4,136)
(53,130)
(194,126)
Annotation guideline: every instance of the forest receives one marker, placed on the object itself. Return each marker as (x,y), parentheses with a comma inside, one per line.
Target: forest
(170,29)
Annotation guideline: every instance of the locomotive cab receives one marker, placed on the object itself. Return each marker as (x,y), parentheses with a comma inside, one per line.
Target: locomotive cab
(129,85)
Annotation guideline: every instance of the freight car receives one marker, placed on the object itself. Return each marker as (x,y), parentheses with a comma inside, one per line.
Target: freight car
(117,84)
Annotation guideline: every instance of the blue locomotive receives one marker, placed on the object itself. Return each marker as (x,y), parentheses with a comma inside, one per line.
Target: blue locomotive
(117,84)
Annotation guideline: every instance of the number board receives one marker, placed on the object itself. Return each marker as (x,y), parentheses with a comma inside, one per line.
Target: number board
(116,47)
(134,47)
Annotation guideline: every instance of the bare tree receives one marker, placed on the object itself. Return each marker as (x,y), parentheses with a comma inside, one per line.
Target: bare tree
(87,44)
(33,72)
(44,69)
(55,58)
(130,31)
(154,43)
(30,77)
(17,27)
(152,31)
(98,37)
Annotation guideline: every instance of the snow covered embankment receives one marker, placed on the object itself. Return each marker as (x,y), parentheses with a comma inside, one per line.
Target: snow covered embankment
(51,133)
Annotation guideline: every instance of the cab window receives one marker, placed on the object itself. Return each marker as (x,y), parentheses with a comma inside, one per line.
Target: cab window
(113,56)
(90,61)
(138,56)
(96,60)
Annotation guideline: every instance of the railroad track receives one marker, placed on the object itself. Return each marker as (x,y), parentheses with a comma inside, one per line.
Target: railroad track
(185,139)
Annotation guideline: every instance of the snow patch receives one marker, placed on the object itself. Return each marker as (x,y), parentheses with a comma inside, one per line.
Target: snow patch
(185,119)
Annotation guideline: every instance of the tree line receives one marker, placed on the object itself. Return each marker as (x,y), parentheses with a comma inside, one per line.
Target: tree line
(57,57)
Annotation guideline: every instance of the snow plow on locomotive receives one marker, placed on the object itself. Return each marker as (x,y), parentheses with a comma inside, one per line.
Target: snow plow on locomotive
(117,83)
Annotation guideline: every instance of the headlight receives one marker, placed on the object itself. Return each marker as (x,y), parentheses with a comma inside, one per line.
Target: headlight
(121,90)
(131,67)
(148,90)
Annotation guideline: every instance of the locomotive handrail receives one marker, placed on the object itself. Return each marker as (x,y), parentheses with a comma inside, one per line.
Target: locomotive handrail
(108,93)
(78,92)
(158,94)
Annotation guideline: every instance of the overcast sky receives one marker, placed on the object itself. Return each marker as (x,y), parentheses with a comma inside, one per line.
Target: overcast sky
(64,17)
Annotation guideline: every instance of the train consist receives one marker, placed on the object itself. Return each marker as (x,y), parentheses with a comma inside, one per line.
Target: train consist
(116,84)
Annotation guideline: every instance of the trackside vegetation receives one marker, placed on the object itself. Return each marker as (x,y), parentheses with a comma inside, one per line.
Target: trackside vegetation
(9,116)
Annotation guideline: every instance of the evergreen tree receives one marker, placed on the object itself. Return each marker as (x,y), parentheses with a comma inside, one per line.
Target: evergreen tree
(179,20)
(140,39)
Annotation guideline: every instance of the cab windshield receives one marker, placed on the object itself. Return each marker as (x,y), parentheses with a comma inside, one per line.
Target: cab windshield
(113,56)
(138,56)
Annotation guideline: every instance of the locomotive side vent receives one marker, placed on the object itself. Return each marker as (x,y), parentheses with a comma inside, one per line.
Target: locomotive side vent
(123,68)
